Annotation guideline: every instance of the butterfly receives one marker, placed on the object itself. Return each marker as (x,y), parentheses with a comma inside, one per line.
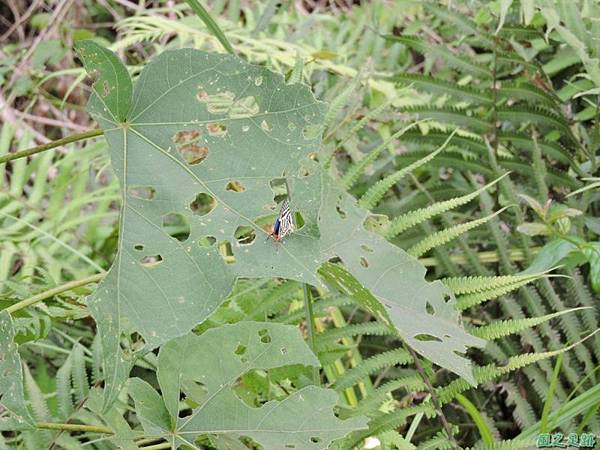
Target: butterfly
(284,224)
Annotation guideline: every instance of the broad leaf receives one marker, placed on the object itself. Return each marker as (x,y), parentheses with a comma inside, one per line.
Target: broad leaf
(210,146)
(214,363)
(12,397)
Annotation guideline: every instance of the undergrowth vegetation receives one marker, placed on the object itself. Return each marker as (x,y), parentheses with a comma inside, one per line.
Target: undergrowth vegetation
(439,290)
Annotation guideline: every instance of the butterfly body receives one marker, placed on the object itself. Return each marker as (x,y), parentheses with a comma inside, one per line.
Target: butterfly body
(284,224)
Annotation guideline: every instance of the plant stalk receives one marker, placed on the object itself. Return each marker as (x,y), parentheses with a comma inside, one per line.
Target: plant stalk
(210,23)
(434,399)
(310,327)
(51,145)
(54,291)
(73,427)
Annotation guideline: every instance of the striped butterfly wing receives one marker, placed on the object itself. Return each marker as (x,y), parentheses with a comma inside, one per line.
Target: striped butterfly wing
(286,220)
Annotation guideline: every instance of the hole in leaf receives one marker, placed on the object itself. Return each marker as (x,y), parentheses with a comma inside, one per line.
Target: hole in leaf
(315,439)
(244,107)
(235,186)
(429,308)
(283,350)
(290,446)
(447,297)
(427,337)
(203,204)
(206,241)
(311,131)
(314,156)
(138,247)
(240,349)
(264,335)
(364,262)
(245,235)
(340,212)
(151,261)
(298,220)
(266,126)
(142,192)
(366,248)
(279,188)
(226,252)
(177,226)
(216,129)
(193,153)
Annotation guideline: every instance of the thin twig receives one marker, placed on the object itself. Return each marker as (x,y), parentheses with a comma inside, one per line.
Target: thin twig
(55,291)
(436,403)
(50,145)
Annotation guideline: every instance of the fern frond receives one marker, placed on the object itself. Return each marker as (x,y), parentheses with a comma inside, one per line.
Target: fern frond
(461,21)
(491,371)
(340,101)
(526,91)
(387,422)
(523,412)
(378,190)
(459,62)
(359,329)
(412,218)
(467,301)
(553,149)
(357,169)
(502,328)
(439,442)
(445,236)
(80,379)
(471,285)
(536,115)
(35,396)
(449,114)
(63,388)
(373,401)
(371,365)
(442,87)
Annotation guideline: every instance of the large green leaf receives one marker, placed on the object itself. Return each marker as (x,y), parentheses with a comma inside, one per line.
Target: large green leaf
(209,143)
(12,397)
(214,363)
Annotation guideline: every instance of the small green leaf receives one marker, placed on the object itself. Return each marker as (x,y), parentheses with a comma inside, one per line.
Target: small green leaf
(149,407)
(112,86)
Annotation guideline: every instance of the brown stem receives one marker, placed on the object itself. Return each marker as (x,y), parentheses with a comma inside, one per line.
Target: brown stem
(436,403)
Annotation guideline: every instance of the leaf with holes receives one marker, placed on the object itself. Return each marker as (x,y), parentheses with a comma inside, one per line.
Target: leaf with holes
(12,397)
(210,146)
(208,367)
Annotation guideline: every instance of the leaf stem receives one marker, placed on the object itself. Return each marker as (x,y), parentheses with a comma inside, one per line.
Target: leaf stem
(51,145)
(164,445)
(54,291)
(310,326)
(73,427)
(434,399)
(210,24)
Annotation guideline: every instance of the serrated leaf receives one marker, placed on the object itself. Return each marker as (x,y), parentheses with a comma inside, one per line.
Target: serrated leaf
(215,361)
(12,396)
(209,143)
